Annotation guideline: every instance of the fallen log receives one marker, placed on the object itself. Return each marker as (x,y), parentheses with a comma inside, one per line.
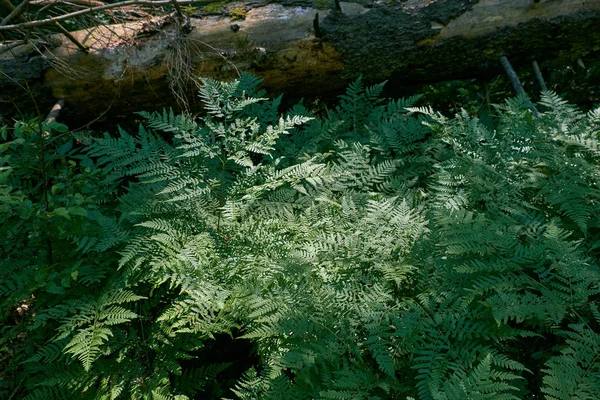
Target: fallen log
(151,64)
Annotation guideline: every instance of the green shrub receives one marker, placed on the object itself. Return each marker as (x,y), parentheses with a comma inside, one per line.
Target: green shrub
(385,252)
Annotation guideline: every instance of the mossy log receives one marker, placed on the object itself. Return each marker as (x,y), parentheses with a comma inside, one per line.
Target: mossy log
(148,65)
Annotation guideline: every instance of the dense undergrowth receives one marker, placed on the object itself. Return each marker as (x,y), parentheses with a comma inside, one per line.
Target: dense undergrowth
(382,252)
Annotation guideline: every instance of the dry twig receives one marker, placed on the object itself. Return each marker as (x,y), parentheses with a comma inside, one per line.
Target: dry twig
(58,18)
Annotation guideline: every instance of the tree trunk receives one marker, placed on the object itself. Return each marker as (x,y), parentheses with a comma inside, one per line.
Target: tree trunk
(149,65)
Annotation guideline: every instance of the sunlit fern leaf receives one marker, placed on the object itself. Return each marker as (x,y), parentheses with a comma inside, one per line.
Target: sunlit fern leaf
(220,98)
(85,345)
(564,114)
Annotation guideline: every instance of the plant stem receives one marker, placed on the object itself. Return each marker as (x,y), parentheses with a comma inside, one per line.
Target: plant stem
(42,157)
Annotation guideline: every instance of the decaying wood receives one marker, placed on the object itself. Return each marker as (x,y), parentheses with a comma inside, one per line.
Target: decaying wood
(11,45)
(87,3)
(512,75)
(514,79)
(137,66)
(538,76)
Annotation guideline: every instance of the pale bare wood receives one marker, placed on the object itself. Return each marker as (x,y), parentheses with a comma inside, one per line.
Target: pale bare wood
(55,111)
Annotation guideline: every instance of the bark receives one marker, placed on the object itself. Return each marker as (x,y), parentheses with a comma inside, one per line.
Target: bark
(147,65)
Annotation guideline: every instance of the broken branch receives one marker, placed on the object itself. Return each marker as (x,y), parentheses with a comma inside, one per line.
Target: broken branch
(47,21)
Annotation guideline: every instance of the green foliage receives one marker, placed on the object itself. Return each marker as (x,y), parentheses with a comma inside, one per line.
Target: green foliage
(384,252)
(51,193)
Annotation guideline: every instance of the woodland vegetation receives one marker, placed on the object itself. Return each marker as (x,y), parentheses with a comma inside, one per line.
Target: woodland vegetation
(440,246)
(381,250)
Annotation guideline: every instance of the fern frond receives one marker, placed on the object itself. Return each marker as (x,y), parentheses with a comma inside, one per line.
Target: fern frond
(575,373)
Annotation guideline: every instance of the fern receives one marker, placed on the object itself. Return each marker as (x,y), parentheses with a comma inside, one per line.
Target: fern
(384,251)
(96,320)
(575,373)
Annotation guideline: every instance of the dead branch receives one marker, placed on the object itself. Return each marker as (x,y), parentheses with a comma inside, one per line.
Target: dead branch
(87,3)
(179,12)
(148,3)
(538,75)
(55,111)
(15,11)
(71,37)
(514,79)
